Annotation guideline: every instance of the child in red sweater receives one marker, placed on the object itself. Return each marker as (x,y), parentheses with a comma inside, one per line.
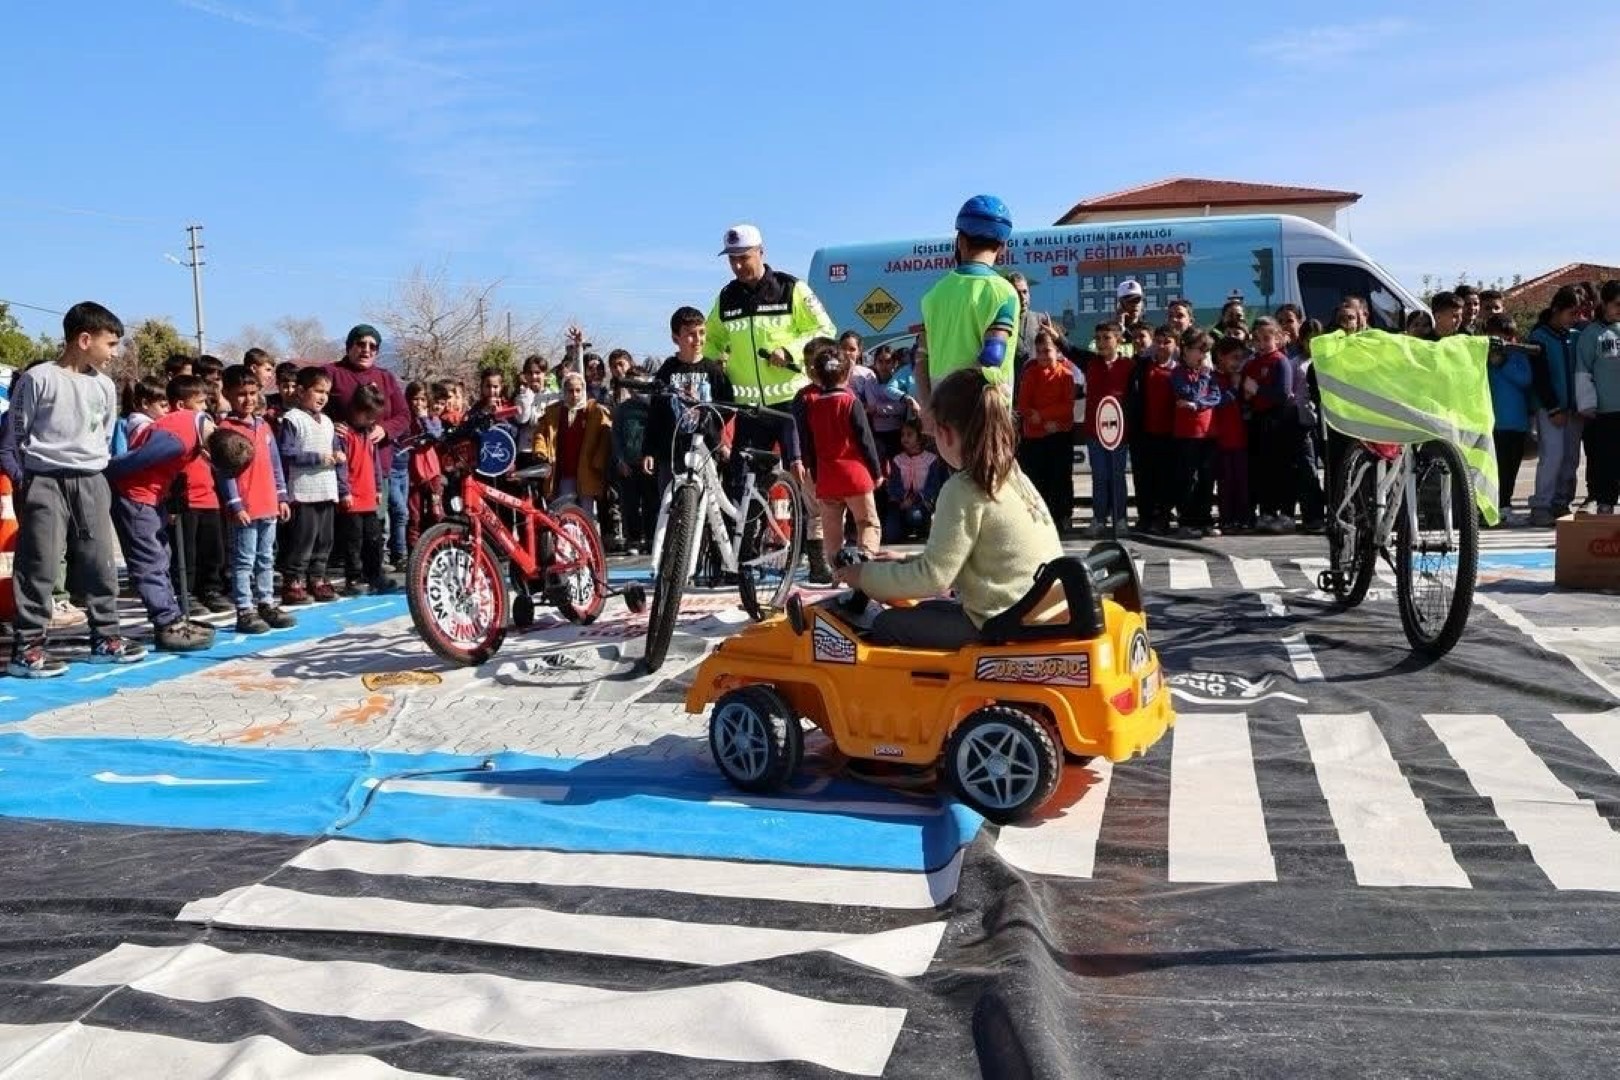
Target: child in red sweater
(255,503)
(1231,438)
(836,443)
(1197,395)
(1153,448)
(1046,415)
(359,528)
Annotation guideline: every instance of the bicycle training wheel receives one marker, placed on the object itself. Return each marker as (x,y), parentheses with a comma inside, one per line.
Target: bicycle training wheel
(1437,564)
(680,531)
(1352,545)
(457,595)
(773,535)
(582,591)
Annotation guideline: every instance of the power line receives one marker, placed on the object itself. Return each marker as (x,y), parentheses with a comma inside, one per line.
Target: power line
(32,307)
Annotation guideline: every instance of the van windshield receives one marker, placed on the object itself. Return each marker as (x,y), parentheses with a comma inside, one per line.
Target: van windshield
(1323,285)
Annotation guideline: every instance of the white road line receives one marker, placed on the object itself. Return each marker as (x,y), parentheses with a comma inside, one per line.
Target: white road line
(552,793)
(363,610)
(86,1052)
(1273,604)
(167,780)
(1547,638)
(1141,569)
(1064,845)
(1599,731)
(1385,830)
(1306,669)
(1311,568)
(703,877)
(1217,828)
(729,1021)
(1187,574)
(1256,573)
(904,952)
(118,669)
(1571,843)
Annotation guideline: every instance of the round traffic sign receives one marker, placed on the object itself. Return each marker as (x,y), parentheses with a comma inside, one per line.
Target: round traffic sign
(1110,423)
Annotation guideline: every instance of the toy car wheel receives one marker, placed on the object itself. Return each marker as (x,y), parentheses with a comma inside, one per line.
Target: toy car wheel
(755,738)
(1002,762)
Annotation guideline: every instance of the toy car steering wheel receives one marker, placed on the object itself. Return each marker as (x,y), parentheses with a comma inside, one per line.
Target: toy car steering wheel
(852,556)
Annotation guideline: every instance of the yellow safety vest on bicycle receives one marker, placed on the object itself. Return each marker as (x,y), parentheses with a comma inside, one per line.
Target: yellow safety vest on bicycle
(1389,388)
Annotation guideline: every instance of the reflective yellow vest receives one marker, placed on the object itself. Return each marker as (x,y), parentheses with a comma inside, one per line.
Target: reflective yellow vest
(1391,388)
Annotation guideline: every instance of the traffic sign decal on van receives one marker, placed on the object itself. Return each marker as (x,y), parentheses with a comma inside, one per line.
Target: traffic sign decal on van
(878,309)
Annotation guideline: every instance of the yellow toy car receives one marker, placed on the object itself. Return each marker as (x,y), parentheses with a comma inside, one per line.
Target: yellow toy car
(1069,667)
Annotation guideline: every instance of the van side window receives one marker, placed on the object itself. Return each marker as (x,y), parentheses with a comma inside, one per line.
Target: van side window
(1323,285)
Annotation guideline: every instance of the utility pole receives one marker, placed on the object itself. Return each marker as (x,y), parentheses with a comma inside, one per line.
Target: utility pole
(508,329)
(196,264)
(481,337)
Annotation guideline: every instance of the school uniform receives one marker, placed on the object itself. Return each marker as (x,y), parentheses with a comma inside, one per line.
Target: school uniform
(260,492)
(143,482)
(359,539)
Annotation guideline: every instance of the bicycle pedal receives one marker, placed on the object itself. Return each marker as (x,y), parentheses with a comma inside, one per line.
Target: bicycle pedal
(1330,581)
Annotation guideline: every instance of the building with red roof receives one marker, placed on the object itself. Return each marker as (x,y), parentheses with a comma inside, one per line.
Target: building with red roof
(1186,196)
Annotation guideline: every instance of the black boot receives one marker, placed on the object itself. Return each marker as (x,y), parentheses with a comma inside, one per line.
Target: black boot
(820,573)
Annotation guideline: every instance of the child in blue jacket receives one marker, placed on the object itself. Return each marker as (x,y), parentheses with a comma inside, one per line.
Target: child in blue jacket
(1511,401)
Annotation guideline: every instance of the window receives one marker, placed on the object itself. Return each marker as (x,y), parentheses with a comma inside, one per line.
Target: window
(1108,282)
(1150,281)
(1088,283)
(1088,305)
(1323,285)
(1172,279)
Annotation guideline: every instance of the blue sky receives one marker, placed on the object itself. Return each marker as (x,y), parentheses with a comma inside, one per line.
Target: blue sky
(590,155)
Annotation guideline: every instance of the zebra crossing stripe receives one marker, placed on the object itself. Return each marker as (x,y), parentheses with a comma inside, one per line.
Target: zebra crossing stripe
(1217,828)
(86,1052)
(893,889)
(1382,824)
(1188,574)
(1255,574)
(1065,845)
(1571,843)
(729,1021)
(905,952)
(1306,669)
(1599,731)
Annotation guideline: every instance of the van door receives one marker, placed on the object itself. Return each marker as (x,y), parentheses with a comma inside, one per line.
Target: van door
(1324,282)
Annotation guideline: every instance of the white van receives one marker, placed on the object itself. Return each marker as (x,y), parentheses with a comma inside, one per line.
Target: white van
(1074,271)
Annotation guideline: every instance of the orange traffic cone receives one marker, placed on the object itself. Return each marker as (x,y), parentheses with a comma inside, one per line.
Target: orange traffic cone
(8,541)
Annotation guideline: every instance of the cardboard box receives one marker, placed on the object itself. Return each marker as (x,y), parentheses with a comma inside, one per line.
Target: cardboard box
(1588,551)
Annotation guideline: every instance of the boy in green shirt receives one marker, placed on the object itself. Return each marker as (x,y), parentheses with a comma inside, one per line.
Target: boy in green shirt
(971,314)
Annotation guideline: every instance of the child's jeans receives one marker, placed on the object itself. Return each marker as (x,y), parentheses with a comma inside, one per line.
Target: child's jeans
(399,484)
(1107,482)
(253,562)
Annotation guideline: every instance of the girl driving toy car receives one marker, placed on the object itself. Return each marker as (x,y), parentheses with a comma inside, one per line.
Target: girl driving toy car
(991,529)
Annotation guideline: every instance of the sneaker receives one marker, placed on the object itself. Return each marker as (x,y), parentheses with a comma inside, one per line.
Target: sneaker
(1605,508)
(1098,531)
(1284,523)
(1187,532)
(354,588)
(249,621)
(1122,529)
(381,586)
(398,563)
(196,609)
(322,592)
(182,635)
(34,661)
(295,595)
(275,618)
(1315,526)
(116,650)
(1542,519)
(217,604)
(63,614)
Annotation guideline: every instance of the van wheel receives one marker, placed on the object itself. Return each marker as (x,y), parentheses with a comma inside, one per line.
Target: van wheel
(1002,762)
(755,738)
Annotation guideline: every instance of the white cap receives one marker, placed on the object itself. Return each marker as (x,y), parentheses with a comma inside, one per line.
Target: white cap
(1128,287)
(741,238)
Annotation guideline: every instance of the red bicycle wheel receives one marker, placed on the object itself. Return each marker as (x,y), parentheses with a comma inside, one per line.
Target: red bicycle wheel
(456,594)
(581,590)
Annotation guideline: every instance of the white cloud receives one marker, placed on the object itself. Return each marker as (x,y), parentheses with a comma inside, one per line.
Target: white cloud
(1327,44)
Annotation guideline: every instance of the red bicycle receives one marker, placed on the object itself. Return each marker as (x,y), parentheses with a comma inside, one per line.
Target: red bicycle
(455,584)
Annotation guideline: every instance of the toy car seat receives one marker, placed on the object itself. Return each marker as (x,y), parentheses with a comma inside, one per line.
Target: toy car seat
(1107,570)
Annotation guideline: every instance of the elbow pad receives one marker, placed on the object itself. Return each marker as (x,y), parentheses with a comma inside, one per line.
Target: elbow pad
(993,353)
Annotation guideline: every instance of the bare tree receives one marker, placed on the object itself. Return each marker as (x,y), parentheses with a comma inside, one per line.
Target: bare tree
(438,328)
(306,339)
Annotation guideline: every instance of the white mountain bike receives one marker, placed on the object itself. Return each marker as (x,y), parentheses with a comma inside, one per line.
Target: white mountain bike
(758,538)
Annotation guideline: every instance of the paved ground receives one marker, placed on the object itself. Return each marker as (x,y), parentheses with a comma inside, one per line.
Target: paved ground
(262,859)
